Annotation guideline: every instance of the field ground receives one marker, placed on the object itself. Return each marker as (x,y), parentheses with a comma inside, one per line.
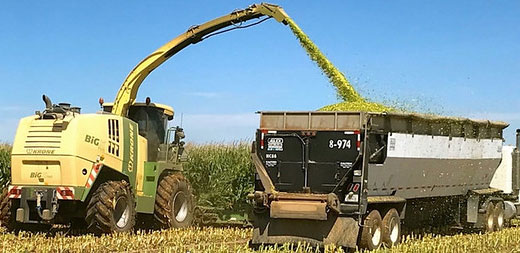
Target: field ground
(236,240)
(225,170)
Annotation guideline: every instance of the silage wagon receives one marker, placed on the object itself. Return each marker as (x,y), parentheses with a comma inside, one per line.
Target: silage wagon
(353,178)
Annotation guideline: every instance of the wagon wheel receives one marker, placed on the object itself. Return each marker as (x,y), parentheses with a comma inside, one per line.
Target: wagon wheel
(371,235)
(498,215)
(489,222)
(391,228)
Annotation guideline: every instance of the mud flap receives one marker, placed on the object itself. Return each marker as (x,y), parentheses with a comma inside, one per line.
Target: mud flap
(310,210)
(342,231)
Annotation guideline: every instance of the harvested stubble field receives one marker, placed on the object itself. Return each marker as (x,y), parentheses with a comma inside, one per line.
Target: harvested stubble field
(235,240)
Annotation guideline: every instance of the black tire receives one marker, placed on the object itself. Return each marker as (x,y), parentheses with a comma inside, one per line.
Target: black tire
(371,232)
(489,222)
(391,228)
(498,216)
(174,202)
(111,208)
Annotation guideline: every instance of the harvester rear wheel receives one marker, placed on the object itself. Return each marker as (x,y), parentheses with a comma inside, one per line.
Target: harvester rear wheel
(111,208)
(174,202)
(371,234)
(489,222)
(498,215)
(391,228)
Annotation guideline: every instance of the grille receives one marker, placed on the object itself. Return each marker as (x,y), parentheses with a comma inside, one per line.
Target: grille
(48,137)
(113,137)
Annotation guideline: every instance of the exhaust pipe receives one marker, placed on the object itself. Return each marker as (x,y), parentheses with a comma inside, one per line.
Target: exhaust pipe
(515,173)
(48,103)
(518,139)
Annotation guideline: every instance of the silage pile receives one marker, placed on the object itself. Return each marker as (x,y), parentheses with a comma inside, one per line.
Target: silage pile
(352,100)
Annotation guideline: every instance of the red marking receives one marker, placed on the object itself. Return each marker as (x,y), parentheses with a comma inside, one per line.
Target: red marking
(262,138)
(357,132)
(97,167)
(66,193)
(355,188)
(93,174)
(15,192)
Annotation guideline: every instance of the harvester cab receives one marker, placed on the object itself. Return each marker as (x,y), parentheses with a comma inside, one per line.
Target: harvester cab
(164,144)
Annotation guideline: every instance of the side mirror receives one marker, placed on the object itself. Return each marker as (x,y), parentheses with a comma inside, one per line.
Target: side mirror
(179,135)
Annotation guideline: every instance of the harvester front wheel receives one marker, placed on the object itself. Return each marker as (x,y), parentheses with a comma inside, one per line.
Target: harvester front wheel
(371,234)
(111,208)
(174,202)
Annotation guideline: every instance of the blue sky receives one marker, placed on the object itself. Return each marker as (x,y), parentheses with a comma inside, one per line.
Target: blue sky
(457,58)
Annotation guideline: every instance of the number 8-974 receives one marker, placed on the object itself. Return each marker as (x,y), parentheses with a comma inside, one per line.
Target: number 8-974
(339,144)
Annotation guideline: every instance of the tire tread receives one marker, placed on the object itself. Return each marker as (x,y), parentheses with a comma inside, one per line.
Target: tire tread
(99,209)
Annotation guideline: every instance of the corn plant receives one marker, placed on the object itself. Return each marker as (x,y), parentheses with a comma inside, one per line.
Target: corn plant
(221,174)
(5,164)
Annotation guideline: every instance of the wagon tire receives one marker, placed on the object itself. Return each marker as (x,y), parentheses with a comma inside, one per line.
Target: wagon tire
(174,206)
(111,209)
(391,228)
(489,222)
(371,231)
(498,216)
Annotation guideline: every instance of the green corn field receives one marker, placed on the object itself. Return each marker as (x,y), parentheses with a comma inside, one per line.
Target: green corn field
(5,162)
(221,174)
